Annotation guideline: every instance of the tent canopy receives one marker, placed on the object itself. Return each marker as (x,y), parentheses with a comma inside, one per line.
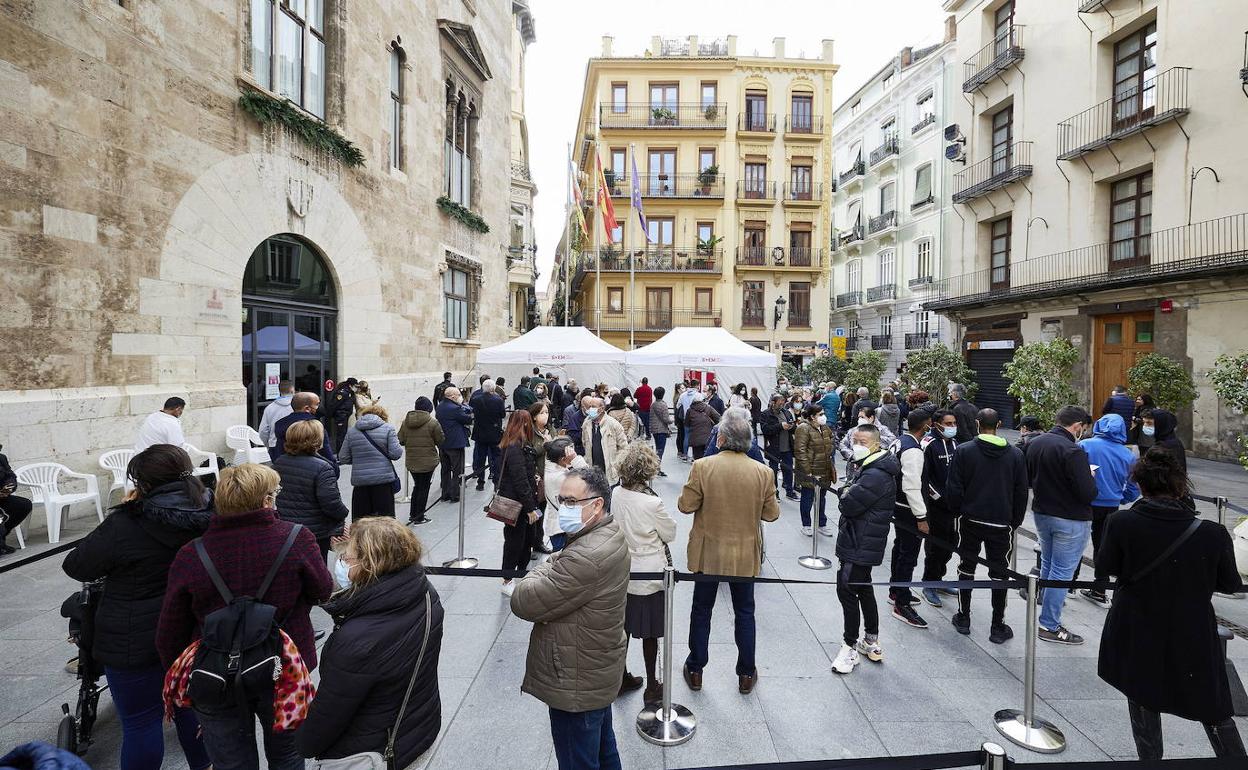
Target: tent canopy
(709,349)
(572,352)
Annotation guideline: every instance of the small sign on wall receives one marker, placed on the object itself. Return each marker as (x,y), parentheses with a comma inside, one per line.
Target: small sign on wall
(272,379)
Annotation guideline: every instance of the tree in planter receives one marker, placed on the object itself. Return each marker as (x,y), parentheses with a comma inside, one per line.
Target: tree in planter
(789,371)
(865,371)
(932,369)
(1040,376)
(1164,378)
(825,369)
(1230,382)
(707,177)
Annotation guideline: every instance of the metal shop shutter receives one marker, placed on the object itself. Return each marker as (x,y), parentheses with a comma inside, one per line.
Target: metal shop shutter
(988,366)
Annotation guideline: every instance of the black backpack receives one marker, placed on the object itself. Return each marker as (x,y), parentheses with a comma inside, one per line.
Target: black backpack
(240,651)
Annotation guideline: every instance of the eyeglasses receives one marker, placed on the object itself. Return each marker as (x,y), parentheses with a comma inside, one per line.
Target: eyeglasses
(574,500)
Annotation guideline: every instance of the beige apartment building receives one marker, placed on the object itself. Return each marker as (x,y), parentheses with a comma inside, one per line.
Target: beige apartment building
(733,154)
(522,305)
(201,198)
(1100,195)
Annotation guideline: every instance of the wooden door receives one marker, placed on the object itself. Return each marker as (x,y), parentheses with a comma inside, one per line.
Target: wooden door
(1120,341)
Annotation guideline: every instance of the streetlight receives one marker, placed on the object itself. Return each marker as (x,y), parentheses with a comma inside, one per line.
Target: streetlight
(775,346)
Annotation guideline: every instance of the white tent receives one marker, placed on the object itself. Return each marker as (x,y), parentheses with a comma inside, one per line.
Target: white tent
(572,352)
(708,349)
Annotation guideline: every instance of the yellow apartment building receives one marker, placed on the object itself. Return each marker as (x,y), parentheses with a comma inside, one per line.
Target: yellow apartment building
(734,163)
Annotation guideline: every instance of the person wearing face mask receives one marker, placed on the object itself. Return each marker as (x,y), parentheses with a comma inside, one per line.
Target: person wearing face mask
(866,416)
(1062,493)
(777,426)
(964,410)
(561,457)
(518,481)
(938,448)
(1113,460)
(1160,425)
(866,512)
(577,647)
(455,417)
(1028,428)
(604,438)
(812,454)
(910,516)
(1135,432)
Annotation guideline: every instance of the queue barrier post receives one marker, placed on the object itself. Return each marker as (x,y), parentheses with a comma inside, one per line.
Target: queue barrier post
(461,561)
(994,757)
(813,560)
(1024,728)
(1221,502)
(666,723)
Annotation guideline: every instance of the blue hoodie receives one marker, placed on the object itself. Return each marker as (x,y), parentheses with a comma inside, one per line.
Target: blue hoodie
(831,404)
(1107,449)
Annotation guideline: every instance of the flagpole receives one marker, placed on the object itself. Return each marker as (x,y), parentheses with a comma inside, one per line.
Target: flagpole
(567,243)
(597,253)
(632,277)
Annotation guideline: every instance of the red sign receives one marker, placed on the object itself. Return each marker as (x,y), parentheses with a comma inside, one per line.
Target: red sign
(329,385)
(1167,306)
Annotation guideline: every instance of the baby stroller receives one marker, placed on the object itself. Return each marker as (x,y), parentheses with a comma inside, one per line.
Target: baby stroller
(74,732)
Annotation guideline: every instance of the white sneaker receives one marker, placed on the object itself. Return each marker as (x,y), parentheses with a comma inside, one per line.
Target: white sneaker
(827,531)
(873,650)
(808,532)
(845,661)
(509,589)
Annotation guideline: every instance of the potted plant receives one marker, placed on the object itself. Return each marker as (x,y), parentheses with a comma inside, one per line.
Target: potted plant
(711,112)
(662,116)
(707,177)
(706,246)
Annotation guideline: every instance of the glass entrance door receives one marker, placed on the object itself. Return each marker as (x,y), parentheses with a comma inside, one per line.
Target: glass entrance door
(282,345)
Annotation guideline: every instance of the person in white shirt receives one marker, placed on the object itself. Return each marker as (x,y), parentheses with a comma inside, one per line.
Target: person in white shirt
(276,410)
(561,456)
(163,427)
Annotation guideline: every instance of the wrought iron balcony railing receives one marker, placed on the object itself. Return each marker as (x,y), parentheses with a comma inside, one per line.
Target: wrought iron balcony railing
(1201,249)
(647,115)
(887,150)
(851,343)
(520,171)
(920,340)
(1005,166)
(1088,6)
(848,299)
(881,342)
(923,123)
(858,169)
(654,258)
(670,186)
(882,292)
(644,319)
(884,221)
(778,256)
(1002,51)
(922,282)
(1158,100)
(812,192)
(799,318)
(757,121)
(755,190)
(846,237)
(803,124)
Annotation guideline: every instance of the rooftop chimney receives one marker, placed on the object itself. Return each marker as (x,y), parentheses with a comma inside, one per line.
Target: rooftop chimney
(907,57)
(656,46)
(951,28)
(778,43)
(827,50)
(607,44)
(732,45)
(693,45)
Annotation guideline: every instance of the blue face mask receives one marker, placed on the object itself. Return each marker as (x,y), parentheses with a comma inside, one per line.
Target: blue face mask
(948,432)
(570,518)
(1149,430)
(592,412)
(342,573)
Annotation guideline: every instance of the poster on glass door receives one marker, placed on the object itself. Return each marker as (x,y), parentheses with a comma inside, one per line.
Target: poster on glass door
(272,379)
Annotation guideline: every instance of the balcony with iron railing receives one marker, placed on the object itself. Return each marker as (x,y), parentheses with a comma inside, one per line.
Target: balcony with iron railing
(803,126)
(921,340)
(803,193)
(885,222)
(929,200)
(756,122)
(647,320)
(922,283)
(800,257)
(881,342)
(882,292)
(1188,252)
(853,235)
(848,299)
(1002,52)
(1003,168)
(799,318)
(754,190)
(670,186)
(887,150)
(1158,100)
(679,116)
(520,170)
(1090,6)
(923,123)
(854,172)
(753,317)
(658,259)
(851,343)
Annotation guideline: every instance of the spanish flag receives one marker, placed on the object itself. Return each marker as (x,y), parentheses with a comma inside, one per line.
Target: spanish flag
(578,201)
(604,202)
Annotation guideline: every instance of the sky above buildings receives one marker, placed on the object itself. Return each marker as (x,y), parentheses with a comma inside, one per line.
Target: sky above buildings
(866,34)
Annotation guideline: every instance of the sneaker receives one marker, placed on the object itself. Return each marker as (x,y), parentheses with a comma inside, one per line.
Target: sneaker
(1000,633)
(421,520)
(948,591)
(873,650)
(793,495)
(845,661)
(962,622)
(662,474)
(1096,597)
(906,614)
(827,531)
(931,597)
(808,532)
(508,589)
(1062,635)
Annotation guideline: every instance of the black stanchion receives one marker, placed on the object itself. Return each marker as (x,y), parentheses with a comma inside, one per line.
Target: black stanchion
(666,723)
(461,561)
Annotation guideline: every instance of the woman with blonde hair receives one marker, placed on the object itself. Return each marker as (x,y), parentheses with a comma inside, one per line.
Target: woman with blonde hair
(371,448)
(310,493)
(387,630)
(648,528)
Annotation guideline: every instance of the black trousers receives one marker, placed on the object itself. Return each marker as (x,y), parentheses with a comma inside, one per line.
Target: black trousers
(340,435)
(421,482)
(372,500)
(995,543)
(452,471)
(698,451)
(1146,729)
(680,437)
(1100,515)
(906,543)
(516,545)
(15,510)
(942,526)
(857,602)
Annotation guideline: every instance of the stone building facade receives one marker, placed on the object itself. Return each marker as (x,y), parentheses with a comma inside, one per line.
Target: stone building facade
(159,240)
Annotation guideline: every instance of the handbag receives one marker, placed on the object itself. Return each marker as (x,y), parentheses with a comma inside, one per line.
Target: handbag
(500,507)
(396,485)
(371,760)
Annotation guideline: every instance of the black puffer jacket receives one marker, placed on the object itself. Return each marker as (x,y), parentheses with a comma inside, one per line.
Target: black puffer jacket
(132,550)
(310,494)
(519,478)
(366,665)
(867,510)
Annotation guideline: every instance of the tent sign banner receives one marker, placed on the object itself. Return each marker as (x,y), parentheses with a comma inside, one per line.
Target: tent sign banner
(272,379)
(701,359)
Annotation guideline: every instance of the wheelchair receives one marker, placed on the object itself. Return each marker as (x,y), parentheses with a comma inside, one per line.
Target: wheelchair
(74,732)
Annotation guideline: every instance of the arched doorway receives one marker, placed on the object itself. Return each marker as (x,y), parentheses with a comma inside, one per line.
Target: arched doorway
(289,315)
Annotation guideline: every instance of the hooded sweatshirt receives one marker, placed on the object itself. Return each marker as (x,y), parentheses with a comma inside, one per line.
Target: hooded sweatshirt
(987,482)
(275,411)
(421,435)
(1165,424)
(1107,450)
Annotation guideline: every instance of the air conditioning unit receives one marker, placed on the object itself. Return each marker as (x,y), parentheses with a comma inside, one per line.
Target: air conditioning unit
(955,152)
(953,133)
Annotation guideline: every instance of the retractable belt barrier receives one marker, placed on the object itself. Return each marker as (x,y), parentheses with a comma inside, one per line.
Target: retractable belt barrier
(990,757)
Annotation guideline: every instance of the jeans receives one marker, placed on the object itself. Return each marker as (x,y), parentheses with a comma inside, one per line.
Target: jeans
(905,558)
(420,494)
(996,543)
(808,502)
(660,444)
(1061,547)
(452,461)
(1100,515)
(584,740)
(481,453)
(644,418)
(700,625)
(857,602)
(230,738)
(136,696)
(782,463)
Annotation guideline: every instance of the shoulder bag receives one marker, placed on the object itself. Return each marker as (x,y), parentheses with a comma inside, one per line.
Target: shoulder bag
(371,760)
(1166,554)
(396,485)
(503,508)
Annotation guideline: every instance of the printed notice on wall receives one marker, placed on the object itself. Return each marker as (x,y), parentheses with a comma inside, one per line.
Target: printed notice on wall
(272,378)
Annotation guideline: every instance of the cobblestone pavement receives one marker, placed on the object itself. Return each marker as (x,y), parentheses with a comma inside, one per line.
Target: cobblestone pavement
(936,691)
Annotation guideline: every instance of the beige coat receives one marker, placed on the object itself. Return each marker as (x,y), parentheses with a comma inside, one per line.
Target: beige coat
(728,495)
(647,526)
(575,600)
(627,421)
(614,442)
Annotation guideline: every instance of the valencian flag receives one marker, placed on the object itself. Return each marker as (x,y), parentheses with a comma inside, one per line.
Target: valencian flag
(578,201)
(604,203)
(641,215)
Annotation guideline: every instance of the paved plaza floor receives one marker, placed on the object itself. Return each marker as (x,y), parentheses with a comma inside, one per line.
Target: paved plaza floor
(936,691)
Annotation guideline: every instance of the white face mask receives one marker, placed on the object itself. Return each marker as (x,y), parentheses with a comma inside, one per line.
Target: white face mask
(342,573)
(570,518)
(948,432)
(822,419)
(592,412)
(861,452)
(1148,430)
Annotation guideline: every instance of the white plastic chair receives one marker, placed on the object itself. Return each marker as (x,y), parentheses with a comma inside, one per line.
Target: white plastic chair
(246,443)
(44,482)
(115,462)
(213,468)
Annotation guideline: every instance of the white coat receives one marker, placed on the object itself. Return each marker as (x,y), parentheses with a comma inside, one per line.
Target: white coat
(646,526)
